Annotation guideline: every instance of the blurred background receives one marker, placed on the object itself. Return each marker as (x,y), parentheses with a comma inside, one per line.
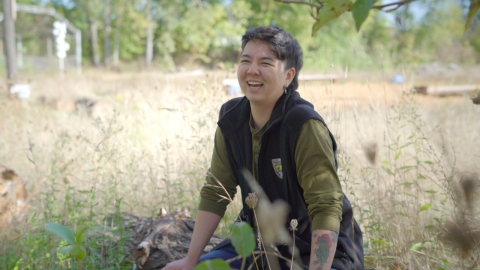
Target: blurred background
(182,35)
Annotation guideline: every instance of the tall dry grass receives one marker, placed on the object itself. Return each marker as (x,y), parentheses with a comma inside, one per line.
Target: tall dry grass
(401,157)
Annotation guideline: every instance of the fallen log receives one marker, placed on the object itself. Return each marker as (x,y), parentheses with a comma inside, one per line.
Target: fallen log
(155,241)
(446,90)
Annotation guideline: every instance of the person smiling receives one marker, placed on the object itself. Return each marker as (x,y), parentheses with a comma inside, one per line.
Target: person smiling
(285,143)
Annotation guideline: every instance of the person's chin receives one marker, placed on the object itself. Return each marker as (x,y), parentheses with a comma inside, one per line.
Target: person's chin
(254,97)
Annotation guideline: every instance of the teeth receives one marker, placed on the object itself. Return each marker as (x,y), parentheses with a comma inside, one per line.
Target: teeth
(254,83)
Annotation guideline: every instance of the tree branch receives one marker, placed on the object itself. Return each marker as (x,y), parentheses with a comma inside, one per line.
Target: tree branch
(319,5)
(396,4)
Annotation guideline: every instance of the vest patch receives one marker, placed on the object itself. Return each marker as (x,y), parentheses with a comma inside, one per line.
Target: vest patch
(277,167)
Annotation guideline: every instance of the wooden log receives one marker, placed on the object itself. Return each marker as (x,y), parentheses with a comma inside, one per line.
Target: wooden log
(447,90)
(155,241)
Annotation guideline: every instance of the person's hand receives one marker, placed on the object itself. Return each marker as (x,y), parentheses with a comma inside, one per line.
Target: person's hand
(183,264)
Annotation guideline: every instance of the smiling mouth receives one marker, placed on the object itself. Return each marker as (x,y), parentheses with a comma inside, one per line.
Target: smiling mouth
(254,84)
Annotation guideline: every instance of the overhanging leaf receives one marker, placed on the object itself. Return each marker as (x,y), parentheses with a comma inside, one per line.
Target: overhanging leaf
(360,11)
(63,231)
(474,7)
(243,239)
(331,10)
(216,264)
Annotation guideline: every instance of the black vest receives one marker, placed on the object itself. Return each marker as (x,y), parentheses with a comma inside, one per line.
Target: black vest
(279,141)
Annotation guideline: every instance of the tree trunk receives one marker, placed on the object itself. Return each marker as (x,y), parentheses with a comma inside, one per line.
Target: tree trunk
(93,29)
(107,29)
(149,45)
(94,41)
(116,39)
(9,42)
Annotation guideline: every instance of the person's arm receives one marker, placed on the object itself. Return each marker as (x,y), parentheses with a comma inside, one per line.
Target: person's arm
(324,244)
(211,207)
(322,191)
(205,226)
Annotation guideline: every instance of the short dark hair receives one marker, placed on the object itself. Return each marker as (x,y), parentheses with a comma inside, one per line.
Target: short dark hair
(282,44)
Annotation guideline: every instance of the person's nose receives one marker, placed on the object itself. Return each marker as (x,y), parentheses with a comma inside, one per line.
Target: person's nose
(253,69)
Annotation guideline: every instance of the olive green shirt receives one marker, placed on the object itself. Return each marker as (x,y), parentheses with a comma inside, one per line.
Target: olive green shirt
(315,170)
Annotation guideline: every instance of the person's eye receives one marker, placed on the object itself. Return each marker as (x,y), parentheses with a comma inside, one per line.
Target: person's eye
(266,64)
(244,61)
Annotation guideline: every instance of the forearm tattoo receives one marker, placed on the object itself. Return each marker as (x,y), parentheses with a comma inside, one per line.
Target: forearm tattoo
(322,251)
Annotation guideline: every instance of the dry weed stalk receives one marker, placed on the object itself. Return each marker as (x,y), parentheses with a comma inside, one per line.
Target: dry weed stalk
(462,232)
(271,216)
(293,227)
(371,150)
(252,201)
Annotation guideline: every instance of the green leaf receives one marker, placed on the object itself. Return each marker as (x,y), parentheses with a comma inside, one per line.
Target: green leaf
(243,239)
(406,168)
(399,153)
(421,176)
(79,235)
(415,246)
(443,260)
(430,191)
(388,170)
(382,242)
(428,162)
(474,7)
(73,251)
(213,265)
(360,11)
(67,251)
(425,207)
(63,231)
(79,252)
(331,10)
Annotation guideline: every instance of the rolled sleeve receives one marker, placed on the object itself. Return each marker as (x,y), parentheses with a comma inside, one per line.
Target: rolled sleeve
(212,195)
(318,177)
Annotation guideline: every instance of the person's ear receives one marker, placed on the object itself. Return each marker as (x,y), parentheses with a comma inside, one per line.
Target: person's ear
(290,75)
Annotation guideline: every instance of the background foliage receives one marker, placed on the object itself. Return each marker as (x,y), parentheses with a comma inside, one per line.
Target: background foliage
(207,32)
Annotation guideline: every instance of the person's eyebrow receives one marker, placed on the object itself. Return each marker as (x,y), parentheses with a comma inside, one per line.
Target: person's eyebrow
(263,58)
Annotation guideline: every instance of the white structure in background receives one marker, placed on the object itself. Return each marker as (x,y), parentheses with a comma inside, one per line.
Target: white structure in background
(60,32)
(74,30)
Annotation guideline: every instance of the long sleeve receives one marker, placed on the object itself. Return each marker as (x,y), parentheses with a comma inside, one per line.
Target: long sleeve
(211,192)
(317,176)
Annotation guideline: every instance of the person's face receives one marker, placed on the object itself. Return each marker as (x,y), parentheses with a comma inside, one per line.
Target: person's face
(261,75)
